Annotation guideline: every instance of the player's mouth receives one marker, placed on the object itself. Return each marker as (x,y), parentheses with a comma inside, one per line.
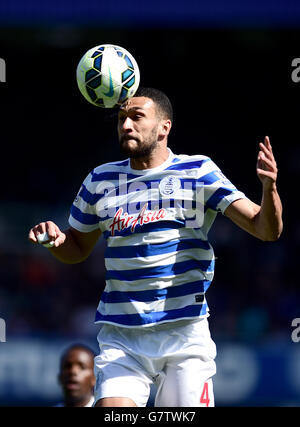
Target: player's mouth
(72,385)
(127,138)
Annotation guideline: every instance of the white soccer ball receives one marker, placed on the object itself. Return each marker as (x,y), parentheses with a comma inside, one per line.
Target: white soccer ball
(107,75)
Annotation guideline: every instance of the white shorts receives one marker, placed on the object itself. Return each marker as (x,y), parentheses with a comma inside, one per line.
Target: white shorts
(178,357)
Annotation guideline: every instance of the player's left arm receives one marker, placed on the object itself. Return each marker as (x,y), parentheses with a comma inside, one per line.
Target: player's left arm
(264,221)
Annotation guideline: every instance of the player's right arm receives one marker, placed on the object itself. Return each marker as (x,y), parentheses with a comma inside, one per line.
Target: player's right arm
(70,246)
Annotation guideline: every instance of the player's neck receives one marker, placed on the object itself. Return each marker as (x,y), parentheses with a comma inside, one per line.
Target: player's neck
(74,403)
(156,158)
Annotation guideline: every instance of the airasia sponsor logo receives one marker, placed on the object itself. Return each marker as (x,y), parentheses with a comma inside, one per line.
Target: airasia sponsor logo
(124,220)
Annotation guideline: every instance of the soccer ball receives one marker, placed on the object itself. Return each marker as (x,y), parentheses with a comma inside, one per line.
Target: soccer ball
(107,75)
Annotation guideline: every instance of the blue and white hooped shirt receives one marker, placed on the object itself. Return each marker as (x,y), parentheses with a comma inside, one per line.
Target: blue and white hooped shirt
(159,262)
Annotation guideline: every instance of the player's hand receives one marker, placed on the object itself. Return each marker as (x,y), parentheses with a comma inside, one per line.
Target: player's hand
(266,166)
(54,233)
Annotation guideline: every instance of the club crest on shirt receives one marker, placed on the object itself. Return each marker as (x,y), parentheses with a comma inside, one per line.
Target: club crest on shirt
(169,185)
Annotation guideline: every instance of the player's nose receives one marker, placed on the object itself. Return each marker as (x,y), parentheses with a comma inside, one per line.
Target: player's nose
(127,124)
(73,370)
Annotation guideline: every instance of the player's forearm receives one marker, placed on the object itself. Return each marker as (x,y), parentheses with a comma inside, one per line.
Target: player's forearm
(268,222)
(69,252)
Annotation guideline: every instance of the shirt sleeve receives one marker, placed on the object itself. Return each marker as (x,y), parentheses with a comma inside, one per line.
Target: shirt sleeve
(219,192)
(83,216)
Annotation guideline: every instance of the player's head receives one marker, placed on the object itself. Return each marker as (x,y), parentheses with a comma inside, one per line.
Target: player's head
(76,375)
(162,103)
(144,122)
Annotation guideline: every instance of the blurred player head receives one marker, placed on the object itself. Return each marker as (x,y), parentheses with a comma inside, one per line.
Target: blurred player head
(144,123)
(76,375)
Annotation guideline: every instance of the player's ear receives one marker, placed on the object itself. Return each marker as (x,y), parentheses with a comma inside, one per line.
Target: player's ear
(165,126)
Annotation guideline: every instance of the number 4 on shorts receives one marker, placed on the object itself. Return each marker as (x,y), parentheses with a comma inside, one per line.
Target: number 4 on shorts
(204,399)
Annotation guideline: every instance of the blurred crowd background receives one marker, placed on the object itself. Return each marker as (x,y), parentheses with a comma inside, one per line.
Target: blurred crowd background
(227,71)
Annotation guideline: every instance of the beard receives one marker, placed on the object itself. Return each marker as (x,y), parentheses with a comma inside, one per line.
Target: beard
(142,149)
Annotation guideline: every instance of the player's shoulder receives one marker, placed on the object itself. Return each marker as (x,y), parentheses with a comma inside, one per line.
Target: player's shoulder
(191,157)
(196,164)
(111,166)
(106,171)
(194,160)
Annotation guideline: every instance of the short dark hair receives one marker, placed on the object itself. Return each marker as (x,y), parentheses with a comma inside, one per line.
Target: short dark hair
(77,346)
(159,98)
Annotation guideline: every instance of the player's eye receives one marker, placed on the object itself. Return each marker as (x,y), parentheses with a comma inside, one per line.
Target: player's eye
(137,116)
(83,366)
